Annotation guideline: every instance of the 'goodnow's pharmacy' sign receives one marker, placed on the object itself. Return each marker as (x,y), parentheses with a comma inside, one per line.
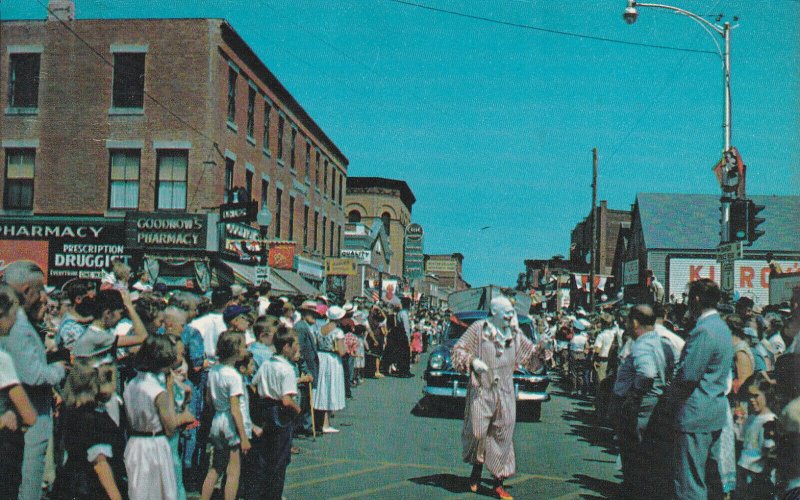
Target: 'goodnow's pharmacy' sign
(164,231)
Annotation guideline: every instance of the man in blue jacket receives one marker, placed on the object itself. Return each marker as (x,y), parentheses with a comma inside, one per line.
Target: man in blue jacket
(699,392)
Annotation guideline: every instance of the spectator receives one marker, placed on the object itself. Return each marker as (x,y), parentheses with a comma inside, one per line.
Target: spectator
(73,323)
(13,401)
(228,429)
(698,395)
(276,383)
(150,407)
(37,376)
(754,477)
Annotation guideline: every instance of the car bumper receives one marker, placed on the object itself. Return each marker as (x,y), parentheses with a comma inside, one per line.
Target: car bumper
(445,385)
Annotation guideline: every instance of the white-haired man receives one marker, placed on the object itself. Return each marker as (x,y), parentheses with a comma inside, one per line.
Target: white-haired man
(37,376)
(489,351)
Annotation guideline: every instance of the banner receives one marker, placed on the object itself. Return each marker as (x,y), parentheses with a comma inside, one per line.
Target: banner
(281,255)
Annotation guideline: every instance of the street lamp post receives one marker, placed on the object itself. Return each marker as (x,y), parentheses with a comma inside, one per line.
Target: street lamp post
(630,15)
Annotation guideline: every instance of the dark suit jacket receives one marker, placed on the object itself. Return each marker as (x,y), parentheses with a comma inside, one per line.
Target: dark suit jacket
(308,349)
(703,375)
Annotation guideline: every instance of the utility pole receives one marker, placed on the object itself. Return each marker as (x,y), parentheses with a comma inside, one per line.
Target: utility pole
(593,252)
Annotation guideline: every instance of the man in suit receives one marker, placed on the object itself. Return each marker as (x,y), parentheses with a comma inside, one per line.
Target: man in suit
(698,395)
(306,336)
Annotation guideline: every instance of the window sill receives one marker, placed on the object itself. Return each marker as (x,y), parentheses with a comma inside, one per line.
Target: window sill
(22,111)
(232,126)
(251,140)
(267,153)
(307,181)
(293,172)
(118,212)
(316,188)
(281,163)
(17,211)
(126,111)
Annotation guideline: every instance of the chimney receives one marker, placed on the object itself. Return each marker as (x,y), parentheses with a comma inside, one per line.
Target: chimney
(63,10)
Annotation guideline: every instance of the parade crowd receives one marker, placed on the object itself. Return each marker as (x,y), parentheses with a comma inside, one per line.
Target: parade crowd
(703,398)
(123,390)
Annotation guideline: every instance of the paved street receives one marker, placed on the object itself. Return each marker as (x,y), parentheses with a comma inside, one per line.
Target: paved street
(390,450)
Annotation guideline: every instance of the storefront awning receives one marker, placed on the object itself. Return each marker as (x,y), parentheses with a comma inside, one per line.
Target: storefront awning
(302,286)
(282,281)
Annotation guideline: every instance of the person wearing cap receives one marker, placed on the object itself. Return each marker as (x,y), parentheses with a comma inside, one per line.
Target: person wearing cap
(306,330)
(578,354)
(330,394)
(237,318)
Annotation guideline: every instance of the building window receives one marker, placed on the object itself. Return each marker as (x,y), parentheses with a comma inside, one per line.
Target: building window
(251,113)
(331,236)
(316,229)
(305,226)
(325,178)
(338,239)
(23,81)
(333,185)
(264,193)
(229,166)
(128,91)
(291,218)
(307,161)
(19,179)
(265,138)
(354,217)
(124,179)
(341,185)
(316,171)
(324,233)
(232,95)
(278,210)
(387,220)
(293,150)
(248,185)
(172,173)
(281,122)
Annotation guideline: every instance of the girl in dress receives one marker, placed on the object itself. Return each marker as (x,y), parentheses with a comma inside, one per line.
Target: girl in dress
(93,438)
(150,406)
(416,345)
(228,432)
(330,395)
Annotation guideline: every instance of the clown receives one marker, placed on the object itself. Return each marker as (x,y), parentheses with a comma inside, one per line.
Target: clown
(489,351)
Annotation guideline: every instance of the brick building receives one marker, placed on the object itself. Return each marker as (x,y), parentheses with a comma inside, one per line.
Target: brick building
(447,271)
(109,117)
(609,223)
(388,200)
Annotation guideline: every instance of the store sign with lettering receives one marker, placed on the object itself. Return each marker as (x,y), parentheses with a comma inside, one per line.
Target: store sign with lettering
(281,255)
(166,231)
(64,248)
(238,212)
(360,256)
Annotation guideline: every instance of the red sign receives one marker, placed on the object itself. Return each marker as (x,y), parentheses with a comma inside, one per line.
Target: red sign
(281,255)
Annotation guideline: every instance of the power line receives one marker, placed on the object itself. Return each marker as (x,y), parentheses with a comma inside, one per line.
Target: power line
(548,30)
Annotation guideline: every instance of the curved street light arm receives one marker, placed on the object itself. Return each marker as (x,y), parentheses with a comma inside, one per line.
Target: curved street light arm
(705,24)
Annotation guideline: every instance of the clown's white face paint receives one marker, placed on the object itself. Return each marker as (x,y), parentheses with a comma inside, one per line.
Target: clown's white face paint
(503,313)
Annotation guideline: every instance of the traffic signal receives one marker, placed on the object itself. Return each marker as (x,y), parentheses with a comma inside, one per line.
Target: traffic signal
(738,220)
(753,233)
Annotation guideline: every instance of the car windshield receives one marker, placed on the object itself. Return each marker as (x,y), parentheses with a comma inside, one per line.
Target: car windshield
(455,330)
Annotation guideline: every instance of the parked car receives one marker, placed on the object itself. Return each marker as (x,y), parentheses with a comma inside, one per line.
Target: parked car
(443,383)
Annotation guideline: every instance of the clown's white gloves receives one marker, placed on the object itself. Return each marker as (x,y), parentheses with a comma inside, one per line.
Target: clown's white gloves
(478,366)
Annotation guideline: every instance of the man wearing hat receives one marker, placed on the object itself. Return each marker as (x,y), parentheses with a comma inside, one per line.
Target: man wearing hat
(306,330)
(237,318)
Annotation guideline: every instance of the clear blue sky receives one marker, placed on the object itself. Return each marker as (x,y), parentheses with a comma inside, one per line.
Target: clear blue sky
(493,125)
